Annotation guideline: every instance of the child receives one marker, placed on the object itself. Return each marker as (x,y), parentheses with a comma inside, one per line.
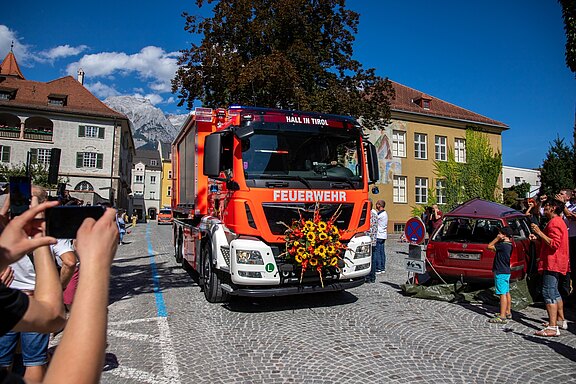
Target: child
(502,245)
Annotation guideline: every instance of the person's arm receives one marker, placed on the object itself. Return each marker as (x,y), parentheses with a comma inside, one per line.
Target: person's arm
(7,276)
(492,245)
(553,240)
(46,310)
(81,362)
(68,267)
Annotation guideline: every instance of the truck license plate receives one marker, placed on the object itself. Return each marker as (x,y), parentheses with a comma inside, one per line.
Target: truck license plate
(464,256)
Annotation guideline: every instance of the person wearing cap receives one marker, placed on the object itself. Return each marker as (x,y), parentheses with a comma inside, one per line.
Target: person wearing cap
(502,245)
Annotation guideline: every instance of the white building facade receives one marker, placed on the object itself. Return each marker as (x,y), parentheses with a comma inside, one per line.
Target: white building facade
(512,176)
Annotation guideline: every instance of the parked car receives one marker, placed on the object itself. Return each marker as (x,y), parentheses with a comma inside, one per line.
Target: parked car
(458,248)
(165,216)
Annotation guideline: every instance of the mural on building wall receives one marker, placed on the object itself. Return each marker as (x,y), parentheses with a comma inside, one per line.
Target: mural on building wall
(382,139)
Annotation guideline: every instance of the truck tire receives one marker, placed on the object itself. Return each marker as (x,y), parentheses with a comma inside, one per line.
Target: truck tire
(212,278)
(178,249)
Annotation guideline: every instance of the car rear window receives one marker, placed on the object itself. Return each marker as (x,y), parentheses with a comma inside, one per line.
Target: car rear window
(468,230)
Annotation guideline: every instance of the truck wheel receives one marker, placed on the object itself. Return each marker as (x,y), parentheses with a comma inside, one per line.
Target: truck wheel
(178,249)
(211,278)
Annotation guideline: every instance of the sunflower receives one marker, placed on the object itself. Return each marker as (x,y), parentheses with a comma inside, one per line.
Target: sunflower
(322,226)
(309,225)
(311,236)
(322,236)
(335,230)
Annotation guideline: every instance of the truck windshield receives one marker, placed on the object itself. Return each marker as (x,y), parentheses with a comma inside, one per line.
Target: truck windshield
(314,153)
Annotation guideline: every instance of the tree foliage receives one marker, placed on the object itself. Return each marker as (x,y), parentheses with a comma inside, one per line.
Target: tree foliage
(557,170)
(477,177)
(569,15)
(290,54)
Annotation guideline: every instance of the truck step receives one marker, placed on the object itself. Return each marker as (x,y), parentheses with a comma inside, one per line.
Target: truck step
(227,288)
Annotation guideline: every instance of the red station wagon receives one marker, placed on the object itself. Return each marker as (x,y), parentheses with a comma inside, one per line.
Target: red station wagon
(458,249)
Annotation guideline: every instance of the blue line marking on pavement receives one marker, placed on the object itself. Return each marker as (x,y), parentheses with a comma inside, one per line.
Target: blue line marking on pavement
(160,306)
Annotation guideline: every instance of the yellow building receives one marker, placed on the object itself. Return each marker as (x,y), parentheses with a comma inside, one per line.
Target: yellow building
(166,186)
(422,130)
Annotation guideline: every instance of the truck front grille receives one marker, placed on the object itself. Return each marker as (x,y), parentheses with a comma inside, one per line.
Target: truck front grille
(286,213)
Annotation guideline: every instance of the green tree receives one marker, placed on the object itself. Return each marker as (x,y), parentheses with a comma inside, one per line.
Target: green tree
(291,54)
(478,177)
(569,15)
(557,170)
(38,173)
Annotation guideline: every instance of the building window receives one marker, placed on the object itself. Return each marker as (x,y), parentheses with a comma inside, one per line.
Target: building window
(139,179)
(421,190)
(399,144)
(152,195)
(517,180)
(399,227)
(90,131)
(441,191)
(57,100)
(153,163)
(440,148)
(508,180)
(152,179)
(420,146)
(89,160)
(169,175)
(7,95)
(4,153)
(460,150)
(40,156)
(169,191)
(399,189)
(84,186)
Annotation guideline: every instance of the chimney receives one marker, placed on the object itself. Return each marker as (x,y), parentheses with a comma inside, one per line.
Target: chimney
(81,76)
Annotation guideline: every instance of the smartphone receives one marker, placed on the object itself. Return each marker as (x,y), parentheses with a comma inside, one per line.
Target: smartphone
(63,222)
(20,194)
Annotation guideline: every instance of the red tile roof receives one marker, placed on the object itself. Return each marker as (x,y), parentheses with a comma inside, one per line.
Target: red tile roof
(9,66)
(405,102)
(34,95)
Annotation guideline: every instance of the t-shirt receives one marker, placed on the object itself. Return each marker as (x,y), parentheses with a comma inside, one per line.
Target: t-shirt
(24,274)
(502,259)
(554,256)
(571,223)
(13,304)
(61,247)
(382,229)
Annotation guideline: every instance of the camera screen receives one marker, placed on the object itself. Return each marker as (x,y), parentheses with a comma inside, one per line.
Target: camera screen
(20,194)
(63,222)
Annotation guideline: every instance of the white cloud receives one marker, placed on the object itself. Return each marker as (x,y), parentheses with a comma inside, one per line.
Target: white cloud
(152,97)
(152,64)
(101,90)
(21,51)
(62,51)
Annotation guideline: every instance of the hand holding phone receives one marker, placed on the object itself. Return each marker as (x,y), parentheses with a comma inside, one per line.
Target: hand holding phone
(63,222)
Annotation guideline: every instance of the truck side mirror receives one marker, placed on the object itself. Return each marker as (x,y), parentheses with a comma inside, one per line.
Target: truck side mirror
(212,155)
(372,159)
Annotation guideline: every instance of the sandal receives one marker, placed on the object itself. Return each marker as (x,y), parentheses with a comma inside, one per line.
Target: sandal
(548,332)
(497,320)
(561,324)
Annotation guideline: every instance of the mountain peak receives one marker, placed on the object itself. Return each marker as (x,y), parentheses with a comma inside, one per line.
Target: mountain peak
(148,122)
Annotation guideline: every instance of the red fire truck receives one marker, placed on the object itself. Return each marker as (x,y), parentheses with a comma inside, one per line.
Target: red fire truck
(243,175)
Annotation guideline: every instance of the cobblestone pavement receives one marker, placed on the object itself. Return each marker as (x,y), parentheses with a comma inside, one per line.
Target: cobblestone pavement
(161,330)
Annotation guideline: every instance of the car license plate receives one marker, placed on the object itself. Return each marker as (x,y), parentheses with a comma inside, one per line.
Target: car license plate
(464,256)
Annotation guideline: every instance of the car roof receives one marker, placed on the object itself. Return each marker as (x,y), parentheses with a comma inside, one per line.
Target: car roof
(483,208)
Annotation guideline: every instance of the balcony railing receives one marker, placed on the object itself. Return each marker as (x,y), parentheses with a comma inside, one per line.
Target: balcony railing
(12,132)
(38,134)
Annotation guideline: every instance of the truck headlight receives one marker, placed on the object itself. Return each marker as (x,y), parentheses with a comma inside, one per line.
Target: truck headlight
(363,251)
(249,257)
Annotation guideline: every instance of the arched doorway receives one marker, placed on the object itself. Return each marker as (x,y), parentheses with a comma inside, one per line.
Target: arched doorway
(152,213)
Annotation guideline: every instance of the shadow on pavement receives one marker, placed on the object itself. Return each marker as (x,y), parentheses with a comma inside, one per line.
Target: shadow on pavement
(288,303)
(130,280)
(562,349)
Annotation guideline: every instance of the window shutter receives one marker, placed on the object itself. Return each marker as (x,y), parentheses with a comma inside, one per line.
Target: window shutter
(5,154)
(33,155)
(101,132)
(81,131)
(99,159)
(79,159)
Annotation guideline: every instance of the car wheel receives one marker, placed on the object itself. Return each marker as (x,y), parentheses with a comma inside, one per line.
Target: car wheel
(212,279)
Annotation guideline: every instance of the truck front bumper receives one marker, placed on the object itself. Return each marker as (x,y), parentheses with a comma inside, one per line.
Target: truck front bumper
(265,291)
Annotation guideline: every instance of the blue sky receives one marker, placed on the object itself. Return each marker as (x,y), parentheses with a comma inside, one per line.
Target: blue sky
(501,59)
